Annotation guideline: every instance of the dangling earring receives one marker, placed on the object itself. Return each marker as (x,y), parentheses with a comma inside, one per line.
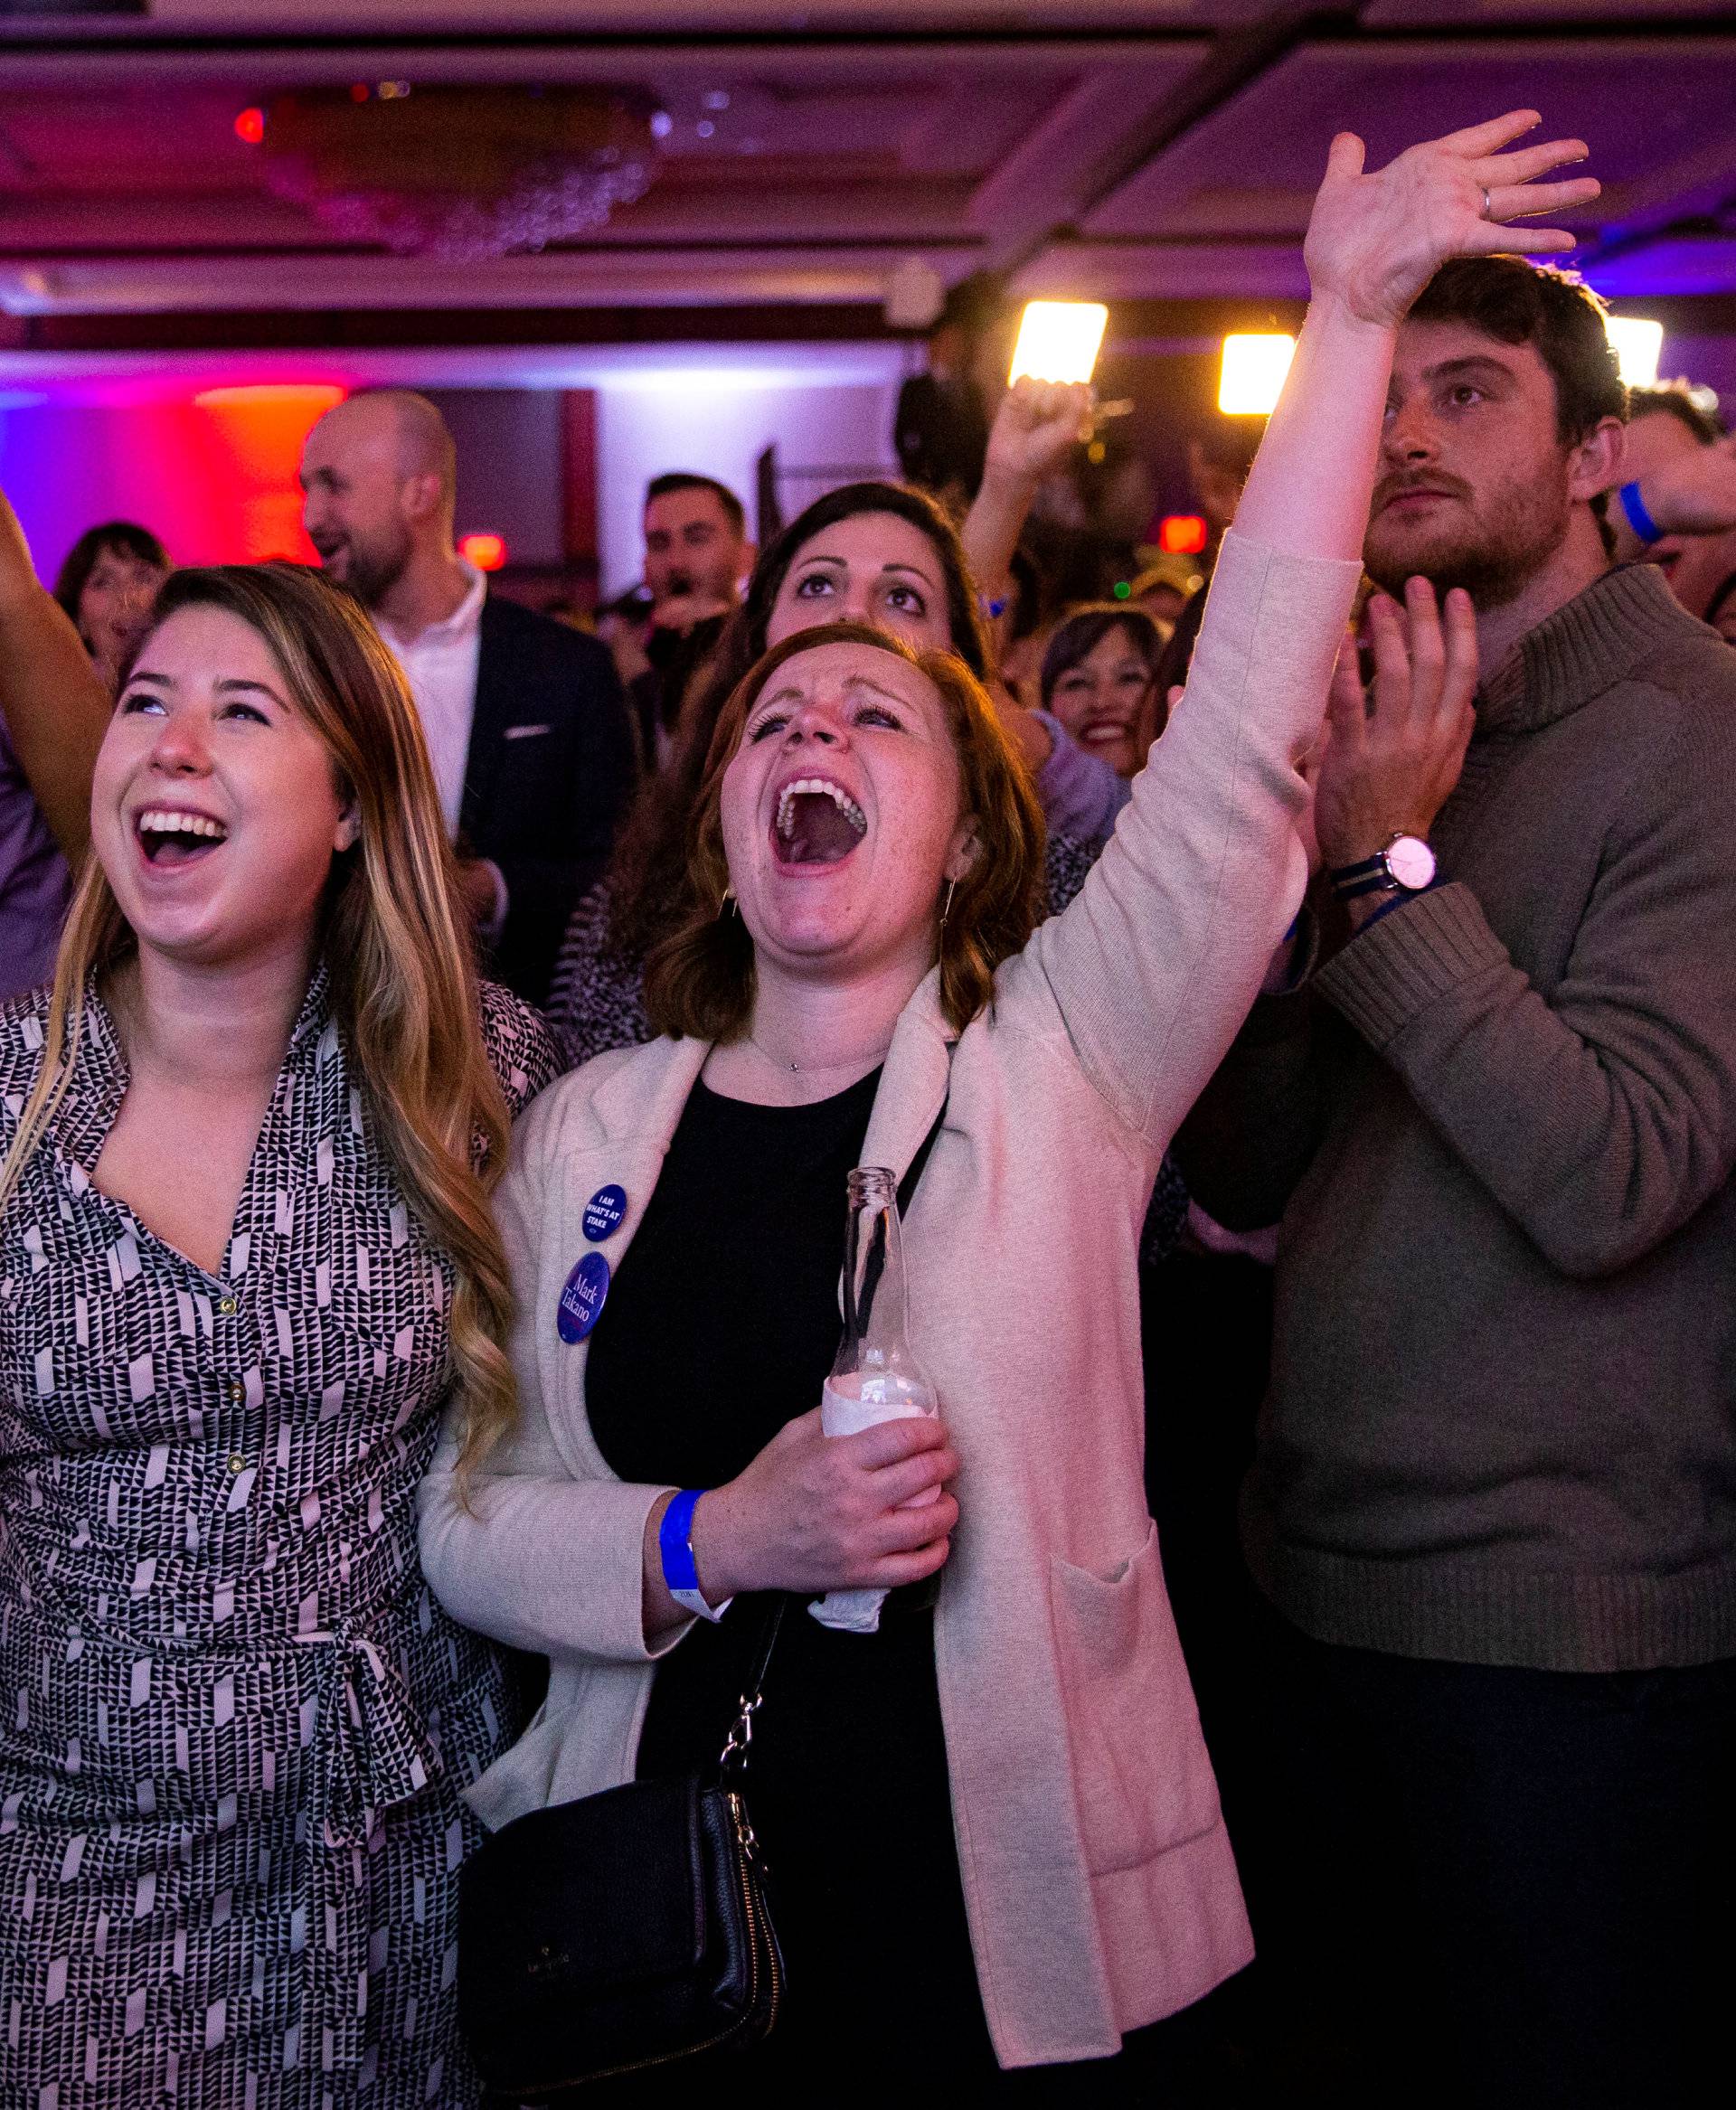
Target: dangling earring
(945,909)
(726,907)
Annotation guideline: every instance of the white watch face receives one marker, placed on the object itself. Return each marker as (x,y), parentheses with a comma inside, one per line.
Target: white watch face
(1411,861)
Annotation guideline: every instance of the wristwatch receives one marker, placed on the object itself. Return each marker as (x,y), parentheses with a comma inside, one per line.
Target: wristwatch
(1406,866)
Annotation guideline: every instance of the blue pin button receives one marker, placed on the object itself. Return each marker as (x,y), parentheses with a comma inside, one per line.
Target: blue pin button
(582,1299)
(604,1213)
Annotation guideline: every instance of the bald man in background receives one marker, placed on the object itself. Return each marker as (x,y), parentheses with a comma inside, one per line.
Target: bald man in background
(525,719)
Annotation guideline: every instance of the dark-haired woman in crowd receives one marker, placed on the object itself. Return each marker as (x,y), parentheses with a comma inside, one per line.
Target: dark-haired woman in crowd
(1099,679)
(881,554)
(106,584)
(246,1257)
(995,1835)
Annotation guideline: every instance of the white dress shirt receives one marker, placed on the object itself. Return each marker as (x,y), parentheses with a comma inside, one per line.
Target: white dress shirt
(441,663)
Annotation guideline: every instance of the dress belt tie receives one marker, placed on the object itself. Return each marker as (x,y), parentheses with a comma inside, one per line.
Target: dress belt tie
(372,1750)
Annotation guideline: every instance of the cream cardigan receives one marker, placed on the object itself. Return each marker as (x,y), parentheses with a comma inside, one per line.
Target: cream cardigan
(1097,1873)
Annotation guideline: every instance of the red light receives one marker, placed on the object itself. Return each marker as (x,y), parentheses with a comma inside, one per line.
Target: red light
(1181,534)
(486,552)
(360,92)
(250,126)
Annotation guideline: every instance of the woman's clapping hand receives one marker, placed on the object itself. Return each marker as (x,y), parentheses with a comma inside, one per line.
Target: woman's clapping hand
(1375,240)
(819,1512)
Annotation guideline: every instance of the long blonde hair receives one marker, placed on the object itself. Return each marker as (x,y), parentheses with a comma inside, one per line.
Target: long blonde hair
(397,946)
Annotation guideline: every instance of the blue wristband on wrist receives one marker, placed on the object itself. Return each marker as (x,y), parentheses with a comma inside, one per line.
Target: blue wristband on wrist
(675,1546)
(1638,518)
(1398,902)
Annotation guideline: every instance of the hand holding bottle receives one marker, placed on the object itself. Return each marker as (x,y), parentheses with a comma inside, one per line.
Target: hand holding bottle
(819,1512)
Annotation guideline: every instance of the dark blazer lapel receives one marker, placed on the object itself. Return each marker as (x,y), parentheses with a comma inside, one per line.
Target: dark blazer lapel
(497,683)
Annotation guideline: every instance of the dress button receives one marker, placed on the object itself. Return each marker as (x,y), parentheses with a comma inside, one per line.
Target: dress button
(237,1463)
(228,1307)
(238,1393)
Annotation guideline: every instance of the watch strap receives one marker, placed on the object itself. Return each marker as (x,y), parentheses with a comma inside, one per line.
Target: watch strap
(1378,881)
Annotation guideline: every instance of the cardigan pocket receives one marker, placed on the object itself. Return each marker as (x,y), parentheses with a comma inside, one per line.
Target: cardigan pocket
(1142,1782)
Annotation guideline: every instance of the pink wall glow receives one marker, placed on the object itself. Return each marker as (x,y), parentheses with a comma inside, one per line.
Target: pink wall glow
(215,477)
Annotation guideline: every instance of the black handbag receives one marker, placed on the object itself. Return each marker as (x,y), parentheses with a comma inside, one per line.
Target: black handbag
(622,1931)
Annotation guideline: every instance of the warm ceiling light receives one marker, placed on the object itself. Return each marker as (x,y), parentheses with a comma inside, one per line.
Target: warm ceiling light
(316,397)
(486,552)
(250,126)
(1639,345)
(1181,534)
(1059,340)
(1252,378)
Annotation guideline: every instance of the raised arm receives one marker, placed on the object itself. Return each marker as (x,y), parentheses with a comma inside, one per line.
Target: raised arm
(1037,426)
(1156,964)
(55,707)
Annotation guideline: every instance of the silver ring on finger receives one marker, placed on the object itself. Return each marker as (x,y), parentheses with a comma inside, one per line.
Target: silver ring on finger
(1485,201)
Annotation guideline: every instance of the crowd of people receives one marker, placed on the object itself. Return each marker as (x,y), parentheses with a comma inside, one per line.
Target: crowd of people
(1293,1012)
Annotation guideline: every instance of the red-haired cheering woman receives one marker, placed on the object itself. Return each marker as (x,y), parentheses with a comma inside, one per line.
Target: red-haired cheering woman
(994,1833)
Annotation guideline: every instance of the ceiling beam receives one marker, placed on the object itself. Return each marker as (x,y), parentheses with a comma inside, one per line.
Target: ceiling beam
(1236,60)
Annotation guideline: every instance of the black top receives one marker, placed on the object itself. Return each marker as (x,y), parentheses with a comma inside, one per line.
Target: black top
(721,1326)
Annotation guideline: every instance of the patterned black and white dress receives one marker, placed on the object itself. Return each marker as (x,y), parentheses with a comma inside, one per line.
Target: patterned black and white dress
(233,1721)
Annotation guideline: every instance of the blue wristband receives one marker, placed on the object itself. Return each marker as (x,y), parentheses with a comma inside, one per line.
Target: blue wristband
(1386,908)
(678,1570)
(675,1546)
(1638,519)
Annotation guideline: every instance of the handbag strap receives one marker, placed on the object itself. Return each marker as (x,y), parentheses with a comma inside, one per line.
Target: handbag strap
(733,1758)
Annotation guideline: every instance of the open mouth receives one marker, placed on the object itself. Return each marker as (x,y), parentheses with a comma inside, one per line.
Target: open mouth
(816,822)
(1105,733)
(171,839)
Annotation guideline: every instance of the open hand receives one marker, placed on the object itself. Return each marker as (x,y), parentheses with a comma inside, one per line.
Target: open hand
(1375,240)
(1035,429)
(1395,753)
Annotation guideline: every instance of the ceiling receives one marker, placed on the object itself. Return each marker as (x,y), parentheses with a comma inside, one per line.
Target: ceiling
(1159,155)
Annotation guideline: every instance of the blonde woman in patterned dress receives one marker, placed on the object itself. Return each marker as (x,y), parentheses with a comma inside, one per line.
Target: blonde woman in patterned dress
(246,1257)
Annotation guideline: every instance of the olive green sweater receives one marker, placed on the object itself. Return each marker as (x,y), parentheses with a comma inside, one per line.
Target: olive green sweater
(1502,1421)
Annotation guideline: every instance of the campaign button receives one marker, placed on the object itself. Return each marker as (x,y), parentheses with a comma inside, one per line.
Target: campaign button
(581,1301)
(604,1213)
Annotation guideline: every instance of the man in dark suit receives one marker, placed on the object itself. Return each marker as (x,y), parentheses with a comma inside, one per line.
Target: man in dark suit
(526,721)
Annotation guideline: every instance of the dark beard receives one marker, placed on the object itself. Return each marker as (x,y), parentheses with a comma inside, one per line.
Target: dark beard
(1494,555)
(375,568)
(1492,575)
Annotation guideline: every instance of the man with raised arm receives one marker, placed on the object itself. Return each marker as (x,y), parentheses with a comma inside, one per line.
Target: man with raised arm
(1493,1500)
